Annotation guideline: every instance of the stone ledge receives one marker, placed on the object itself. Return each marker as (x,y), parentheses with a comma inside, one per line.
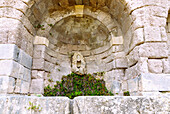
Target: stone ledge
(85,105)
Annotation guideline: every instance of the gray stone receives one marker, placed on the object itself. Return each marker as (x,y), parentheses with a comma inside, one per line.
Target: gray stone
(9,51)
(155,66)
(7,84)
(38,64)
(37,86)
(25,59)
(10,68)
(154,82)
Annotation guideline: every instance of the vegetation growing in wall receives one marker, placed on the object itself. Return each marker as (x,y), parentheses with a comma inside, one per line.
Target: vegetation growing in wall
(74,85)
(126,93)
(34,107)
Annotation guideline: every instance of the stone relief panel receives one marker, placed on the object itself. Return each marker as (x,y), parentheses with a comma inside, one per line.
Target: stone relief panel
(78,63)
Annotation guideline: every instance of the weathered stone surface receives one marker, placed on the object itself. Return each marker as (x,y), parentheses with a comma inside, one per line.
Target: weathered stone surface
(134,71)
(25,59)
(47,105)
(152,33)
(38,64)
(9,51)
(7,84)
(78,63)
(118,105)
(154,82)
(37,86)
(10,68)
(153,50)
(121,63)
(41,41)
(155,66)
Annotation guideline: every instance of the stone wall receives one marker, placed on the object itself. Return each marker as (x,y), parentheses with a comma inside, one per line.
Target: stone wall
(84,105)
(141,47)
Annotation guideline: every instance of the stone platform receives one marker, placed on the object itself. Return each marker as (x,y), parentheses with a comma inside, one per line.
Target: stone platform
(84,105)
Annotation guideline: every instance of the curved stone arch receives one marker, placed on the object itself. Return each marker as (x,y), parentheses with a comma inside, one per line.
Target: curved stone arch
(101,16)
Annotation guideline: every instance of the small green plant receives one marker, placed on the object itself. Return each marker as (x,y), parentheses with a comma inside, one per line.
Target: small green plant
(34,107)
(50,80)
(74,85)
(126,93)
(58,69)
(51,25)
(39,26)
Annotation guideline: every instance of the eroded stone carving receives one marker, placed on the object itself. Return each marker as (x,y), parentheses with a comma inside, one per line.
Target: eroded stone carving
(78,63)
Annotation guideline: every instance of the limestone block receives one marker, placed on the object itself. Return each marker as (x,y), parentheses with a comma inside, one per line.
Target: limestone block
(25,59)
(134,71)
(18,86)
(119,55)
(152,33)
(41,41)
(115,86)
(110,66)
(163,34)
(79,10)
(116,40)
(153,50)
(133,56)
(117,105)
(37,86)
(154,82)
(9,51)
(7,84)
(137,38)
(124,86)
(48,66)
(133,85)
(25,86)
(10,68)
(38,64)
(155,66)
(121,63)
(166,65)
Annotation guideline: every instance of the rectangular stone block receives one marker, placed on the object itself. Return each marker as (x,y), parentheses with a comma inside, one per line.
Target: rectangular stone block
(18,86)
(154,82)
(7,84)
(38,64)
(9,51)
(153,50)
(116,40)
(133,85)
(25,87)
(41,41)
(155,66)
(25,59)
(121,63)
(37,86)
(9,68)
(152,33)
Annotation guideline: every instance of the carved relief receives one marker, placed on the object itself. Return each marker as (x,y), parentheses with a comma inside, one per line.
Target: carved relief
(78,63)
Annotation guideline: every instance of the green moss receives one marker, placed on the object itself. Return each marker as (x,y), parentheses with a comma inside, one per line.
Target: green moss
(74,85)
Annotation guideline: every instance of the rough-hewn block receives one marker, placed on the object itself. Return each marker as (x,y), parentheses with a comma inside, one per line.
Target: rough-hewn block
(153,50)
(7,84)
(121,63)
(37,86)
(41,41)
(152,33)
(38,64)
(25,59)
(155,66)
(154,82)
(10,68)
(9,51)
(116,40)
